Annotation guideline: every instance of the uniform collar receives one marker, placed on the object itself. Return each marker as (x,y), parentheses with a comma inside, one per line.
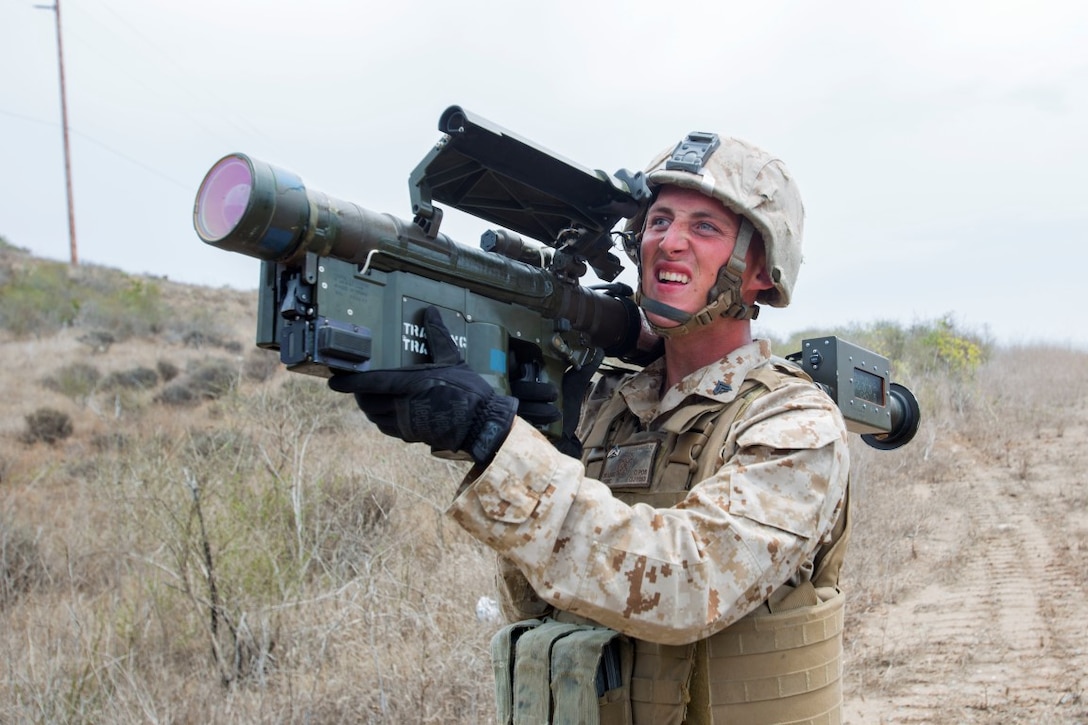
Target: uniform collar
(718,381)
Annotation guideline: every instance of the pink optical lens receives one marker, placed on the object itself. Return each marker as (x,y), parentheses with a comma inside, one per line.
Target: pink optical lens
(223,198)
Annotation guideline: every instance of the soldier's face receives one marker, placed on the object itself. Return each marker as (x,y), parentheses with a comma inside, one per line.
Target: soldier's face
(687,239)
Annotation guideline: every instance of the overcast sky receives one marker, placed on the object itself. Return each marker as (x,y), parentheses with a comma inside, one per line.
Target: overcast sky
(941,147)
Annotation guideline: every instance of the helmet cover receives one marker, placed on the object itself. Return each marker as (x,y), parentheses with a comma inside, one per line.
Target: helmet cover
(749,182)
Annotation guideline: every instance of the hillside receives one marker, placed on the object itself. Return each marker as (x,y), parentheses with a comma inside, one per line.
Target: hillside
(190,534)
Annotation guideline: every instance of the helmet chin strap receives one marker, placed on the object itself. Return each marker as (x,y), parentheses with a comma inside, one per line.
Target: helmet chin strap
(724,299)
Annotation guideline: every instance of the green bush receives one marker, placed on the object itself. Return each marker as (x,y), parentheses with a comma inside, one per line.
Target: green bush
(932,347)
(76,380)
(951,350)
(130,307)
(40,297)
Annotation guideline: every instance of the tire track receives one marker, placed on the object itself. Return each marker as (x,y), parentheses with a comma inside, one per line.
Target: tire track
(996,631)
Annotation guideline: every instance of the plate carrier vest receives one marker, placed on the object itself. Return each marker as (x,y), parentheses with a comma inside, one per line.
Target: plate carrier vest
(780,663)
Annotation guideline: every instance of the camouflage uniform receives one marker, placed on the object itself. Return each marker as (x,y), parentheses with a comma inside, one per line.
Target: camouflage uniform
(667,575)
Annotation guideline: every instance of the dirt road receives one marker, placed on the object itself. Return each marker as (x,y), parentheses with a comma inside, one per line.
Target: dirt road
(994,624)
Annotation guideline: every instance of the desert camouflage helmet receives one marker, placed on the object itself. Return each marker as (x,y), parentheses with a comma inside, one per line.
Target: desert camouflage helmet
(751,183)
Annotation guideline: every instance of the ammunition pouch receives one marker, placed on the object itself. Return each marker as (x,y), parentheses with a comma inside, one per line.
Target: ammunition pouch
(774,665)
(547,671)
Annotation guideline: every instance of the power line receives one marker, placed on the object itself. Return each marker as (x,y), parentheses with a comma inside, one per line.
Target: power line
(104,146)
(25,117)
(135,162)
(239,123)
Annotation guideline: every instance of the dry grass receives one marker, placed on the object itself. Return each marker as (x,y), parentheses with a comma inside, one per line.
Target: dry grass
(259,561)
(259,554)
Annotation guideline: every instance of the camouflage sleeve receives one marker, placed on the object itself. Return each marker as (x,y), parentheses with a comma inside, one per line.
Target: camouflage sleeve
(668,575)
(517,599)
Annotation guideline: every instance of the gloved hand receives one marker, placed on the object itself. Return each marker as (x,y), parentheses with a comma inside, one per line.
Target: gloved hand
(575,384)
(537,400)
(443,403)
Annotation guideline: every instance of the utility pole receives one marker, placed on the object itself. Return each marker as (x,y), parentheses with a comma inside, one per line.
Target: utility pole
(55,7)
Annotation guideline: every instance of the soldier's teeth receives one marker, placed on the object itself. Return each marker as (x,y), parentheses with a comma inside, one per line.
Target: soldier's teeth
(673,277)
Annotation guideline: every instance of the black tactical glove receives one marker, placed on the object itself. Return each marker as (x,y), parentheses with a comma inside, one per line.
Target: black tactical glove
(537,400)
(444,403)
(575,384)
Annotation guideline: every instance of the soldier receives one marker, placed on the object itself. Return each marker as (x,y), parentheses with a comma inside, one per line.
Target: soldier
(686,568)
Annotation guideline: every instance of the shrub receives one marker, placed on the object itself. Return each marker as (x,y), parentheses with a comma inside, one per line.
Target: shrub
(218,446)
(210,336)
(177,394)
(38,300)
(111,441)
(199,338)
(210,380)
(76,381)
(48,425)
(22,566)
(951,350)
(128,306)
(39,297)
(98,340)
(214,378)
(139,378)
(167,370)
(353,519)
(260,365)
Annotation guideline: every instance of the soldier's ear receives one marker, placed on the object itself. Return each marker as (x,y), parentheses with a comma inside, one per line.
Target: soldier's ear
(756,275)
